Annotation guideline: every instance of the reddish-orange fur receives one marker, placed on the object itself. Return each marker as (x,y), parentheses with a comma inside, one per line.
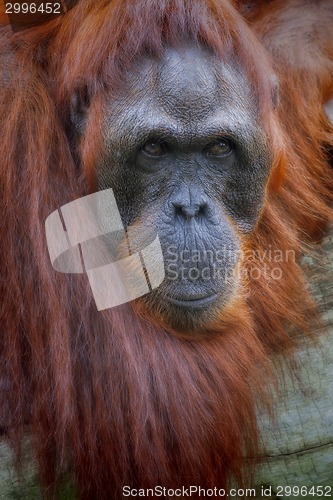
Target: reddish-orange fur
(107,395)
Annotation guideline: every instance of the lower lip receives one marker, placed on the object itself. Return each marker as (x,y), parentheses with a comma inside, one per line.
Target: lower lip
(206,301)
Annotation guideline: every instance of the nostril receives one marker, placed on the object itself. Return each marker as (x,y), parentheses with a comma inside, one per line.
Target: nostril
(190,211)
(203,209)
(178,209)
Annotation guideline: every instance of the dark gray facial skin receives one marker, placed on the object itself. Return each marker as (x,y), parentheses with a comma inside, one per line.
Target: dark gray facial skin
(187,158)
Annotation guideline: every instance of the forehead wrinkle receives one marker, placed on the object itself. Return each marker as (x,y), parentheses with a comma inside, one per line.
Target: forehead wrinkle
(233,120)
(186,92)
(150,117)
(142,120)
(217,97)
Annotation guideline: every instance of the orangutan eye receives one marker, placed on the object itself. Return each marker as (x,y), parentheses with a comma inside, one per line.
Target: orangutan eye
(219,148)
(154,149)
